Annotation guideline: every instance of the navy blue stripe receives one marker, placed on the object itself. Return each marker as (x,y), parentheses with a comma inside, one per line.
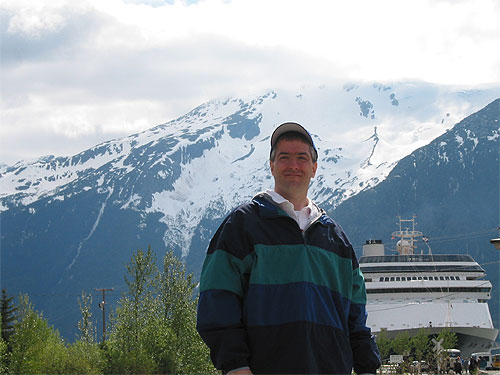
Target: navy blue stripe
(296,302)
(220,308)
(300,348)
(357,318)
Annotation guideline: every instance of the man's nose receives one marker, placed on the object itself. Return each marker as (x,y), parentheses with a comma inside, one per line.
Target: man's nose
(294,163)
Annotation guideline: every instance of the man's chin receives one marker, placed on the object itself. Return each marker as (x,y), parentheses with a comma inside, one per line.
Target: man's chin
(296,183)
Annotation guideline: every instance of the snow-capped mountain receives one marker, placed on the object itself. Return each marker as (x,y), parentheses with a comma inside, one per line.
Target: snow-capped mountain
(70,223)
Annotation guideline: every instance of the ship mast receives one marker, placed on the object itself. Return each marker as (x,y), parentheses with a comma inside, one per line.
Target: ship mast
(406,244)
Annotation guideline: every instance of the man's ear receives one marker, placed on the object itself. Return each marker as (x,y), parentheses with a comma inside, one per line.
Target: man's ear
(315,167)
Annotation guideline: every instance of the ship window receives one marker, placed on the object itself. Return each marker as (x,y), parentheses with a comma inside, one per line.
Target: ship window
(433,290)
(392,278)
(441,278)
(418,268)
(447,277)
(398,278)
(414,278)
(426,278)
(420,277)
(381,279)
(386,279)
(416,258)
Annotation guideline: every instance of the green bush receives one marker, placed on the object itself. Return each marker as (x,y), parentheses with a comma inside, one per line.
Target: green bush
(37,348)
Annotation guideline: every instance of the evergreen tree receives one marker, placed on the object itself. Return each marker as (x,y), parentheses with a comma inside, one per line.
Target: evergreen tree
(7,311)
(3,355)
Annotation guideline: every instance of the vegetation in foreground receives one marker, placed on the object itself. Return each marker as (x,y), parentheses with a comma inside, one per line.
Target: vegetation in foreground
(152,331)
(417,350)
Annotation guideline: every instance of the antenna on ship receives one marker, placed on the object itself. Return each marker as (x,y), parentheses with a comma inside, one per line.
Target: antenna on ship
(426,241)
(408,238)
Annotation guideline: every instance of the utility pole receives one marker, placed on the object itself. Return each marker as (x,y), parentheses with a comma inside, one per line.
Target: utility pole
(102,306)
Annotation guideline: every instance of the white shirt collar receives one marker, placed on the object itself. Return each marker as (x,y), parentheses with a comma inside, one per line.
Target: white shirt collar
(303,217)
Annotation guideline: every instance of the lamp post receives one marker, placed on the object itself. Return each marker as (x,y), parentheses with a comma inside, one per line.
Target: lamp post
(102,306)
(495,242)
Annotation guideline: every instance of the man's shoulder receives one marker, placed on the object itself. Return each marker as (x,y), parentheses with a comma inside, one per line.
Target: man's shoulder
(253,206)
(327,220)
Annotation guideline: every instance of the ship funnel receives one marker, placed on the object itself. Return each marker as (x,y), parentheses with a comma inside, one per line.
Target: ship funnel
(373,248)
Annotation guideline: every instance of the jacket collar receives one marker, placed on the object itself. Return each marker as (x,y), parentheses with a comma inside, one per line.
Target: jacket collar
(269,209)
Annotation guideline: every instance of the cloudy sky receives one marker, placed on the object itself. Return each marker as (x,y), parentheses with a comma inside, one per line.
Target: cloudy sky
(77,73)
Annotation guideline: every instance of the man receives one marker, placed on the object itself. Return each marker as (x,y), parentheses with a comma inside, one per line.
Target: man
(280,289)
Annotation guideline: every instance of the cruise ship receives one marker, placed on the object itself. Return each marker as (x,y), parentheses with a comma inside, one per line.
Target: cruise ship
(408,291)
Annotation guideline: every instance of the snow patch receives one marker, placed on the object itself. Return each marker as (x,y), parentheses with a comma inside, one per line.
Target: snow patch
(94,227)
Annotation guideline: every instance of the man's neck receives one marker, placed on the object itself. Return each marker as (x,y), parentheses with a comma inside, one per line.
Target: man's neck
(299,201)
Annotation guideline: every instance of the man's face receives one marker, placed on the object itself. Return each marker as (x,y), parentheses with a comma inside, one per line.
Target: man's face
(292,167)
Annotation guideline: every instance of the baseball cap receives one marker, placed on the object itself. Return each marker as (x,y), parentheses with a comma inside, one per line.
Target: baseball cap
(292,127)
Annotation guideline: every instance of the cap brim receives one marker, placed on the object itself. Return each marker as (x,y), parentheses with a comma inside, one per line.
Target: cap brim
(291,127)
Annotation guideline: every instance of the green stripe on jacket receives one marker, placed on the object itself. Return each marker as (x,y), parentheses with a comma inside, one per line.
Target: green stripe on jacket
(224,271)
(283,264)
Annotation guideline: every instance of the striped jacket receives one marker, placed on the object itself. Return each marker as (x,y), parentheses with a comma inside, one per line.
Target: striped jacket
(280,300)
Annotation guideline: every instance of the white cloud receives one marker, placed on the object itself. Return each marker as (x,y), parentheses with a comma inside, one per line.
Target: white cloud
(88,70)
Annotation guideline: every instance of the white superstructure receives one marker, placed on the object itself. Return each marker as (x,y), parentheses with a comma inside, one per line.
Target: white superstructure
(409,291)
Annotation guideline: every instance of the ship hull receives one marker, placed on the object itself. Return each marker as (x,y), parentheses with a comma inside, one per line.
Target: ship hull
(471,322)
